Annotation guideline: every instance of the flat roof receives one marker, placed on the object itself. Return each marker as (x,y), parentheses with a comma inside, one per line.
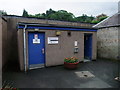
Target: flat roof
(15,16)
(50,27)
(46,22)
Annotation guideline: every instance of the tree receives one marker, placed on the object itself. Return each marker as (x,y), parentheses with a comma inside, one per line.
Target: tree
(61,15)
(25,13)
(2,12)
(99,18)
(84,18)
(66,16)
(49,12)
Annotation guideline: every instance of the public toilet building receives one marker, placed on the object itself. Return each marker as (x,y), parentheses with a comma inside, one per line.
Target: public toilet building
(42,43)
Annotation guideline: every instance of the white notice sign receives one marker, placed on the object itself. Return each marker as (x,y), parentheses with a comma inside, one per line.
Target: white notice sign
(52,40)
(36,40)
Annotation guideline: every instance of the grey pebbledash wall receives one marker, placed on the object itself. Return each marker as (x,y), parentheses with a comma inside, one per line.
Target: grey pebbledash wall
(107,43)
(3,46)
(12,41)
(3,42)
(0,52)
(55,54)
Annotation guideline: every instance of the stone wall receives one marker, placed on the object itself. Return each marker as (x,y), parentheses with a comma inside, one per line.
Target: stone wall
(107,43)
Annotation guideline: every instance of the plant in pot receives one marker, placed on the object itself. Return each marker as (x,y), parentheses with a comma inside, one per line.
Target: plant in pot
(71,62)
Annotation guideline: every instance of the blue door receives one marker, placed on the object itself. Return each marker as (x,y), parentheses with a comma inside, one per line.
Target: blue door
(88,46)
(36,50)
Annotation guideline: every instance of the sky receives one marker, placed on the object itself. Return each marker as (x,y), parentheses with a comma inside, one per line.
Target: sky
(77,7)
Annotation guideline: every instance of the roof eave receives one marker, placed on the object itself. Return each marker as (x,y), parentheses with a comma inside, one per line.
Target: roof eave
(97,25)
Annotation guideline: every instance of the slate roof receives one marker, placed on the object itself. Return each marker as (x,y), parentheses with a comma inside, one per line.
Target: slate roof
(109,22)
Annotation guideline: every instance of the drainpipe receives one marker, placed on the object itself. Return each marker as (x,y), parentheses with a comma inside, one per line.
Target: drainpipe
(25,64)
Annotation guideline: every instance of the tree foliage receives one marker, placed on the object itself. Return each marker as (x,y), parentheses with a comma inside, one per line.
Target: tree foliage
(85,18)
(2,12)
(99,18)
(25,13)
(66,16)
(60,15)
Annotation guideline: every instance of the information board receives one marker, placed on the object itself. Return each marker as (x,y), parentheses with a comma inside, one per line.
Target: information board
(52,40)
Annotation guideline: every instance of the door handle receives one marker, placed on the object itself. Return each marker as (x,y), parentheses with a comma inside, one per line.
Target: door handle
(43,50)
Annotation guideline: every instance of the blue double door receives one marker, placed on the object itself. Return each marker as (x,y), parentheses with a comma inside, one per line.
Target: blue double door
(88,46)
(36,50)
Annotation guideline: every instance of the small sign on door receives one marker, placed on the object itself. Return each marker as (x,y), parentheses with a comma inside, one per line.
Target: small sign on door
(36,40)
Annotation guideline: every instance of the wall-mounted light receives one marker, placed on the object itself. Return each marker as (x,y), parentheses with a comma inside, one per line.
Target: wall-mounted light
(36,29)
(69,33)
(58,33)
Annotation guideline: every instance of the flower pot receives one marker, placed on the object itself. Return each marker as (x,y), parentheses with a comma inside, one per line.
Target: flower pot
(71,65)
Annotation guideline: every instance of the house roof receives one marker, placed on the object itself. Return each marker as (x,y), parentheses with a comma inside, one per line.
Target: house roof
(111,21)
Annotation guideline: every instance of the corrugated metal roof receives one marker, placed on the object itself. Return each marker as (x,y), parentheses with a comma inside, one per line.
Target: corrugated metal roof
(113,20)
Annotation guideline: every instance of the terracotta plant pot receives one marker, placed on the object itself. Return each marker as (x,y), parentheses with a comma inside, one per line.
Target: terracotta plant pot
(71,65)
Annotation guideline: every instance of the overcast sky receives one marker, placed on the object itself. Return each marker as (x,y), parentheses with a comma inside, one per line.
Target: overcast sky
(77,7)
